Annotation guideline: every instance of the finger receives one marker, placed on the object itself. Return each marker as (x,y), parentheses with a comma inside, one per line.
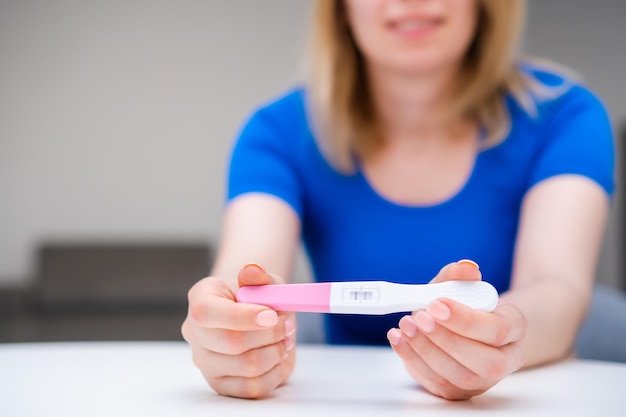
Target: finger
(254,387)
(484,361)
(255,274)
(506,324)
(443,364)
(222,313)
(415,365)
(417,351)
(463,270)
(250,364)
(235,342)
(212,305)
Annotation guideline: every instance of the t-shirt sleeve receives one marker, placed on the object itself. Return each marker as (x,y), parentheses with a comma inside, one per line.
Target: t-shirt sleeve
(262,161)
(579,140)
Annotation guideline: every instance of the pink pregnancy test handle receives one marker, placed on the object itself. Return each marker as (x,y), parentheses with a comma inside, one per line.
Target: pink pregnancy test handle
(313,298)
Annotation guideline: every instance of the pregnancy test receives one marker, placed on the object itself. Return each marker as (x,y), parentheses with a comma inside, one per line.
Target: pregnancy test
(367,297)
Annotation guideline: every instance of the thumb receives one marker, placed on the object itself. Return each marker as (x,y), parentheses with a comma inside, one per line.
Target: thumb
(463,270)
(254,274)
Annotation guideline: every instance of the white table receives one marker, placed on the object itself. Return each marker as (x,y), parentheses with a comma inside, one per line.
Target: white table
(158,379)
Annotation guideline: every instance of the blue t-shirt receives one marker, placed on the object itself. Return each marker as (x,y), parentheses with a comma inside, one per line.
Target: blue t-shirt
(351,233)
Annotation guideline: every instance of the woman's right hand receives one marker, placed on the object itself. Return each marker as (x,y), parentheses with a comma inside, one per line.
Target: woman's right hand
(243,350)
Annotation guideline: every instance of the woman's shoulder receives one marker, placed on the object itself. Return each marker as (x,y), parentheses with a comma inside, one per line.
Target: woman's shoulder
(554,82)
(285,107)
(557,90)
(278,123)
(549,73)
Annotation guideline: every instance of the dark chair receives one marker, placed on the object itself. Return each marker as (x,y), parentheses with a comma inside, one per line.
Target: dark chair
(603,335)
(114,291)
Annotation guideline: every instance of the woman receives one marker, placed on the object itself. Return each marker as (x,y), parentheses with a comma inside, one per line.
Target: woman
(418,141)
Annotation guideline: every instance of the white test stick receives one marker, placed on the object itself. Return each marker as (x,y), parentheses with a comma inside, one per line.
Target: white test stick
(368,297)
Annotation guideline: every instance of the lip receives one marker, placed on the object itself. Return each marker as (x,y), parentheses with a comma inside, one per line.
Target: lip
(414,26)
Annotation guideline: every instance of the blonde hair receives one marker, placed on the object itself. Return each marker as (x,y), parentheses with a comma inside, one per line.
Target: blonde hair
(340,107)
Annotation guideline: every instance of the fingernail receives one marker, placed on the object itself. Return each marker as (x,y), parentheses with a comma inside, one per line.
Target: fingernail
(255,265)
(468,261)
(407,326)
(394,336)
(290,327)
(267,318)
(439,310)
(424,321)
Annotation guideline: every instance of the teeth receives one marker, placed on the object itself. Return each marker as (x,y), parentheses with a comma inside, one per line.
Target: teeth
(413,24)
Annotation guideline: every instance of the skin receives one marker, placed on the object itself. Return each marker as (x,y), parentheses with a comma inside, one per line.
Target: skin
(245,350)
(451,350)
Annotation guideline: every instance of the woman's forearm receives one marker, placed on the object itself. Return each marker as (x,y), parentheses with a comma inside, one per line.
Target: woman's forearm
(554,310)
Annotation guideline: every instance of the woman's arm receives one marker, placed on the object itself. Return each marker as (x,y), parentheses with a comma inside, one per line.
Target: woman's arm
(559,239)
(457,353)
(258,228)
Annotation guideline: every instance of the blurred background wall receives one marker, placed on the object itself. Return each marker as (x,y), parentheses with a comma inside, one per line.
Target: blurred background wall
(590,37)
(116,117)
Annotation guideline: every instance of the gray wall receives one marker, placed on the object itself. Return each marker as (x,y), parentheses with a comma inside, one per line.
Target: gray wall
(116,116)
(590,36)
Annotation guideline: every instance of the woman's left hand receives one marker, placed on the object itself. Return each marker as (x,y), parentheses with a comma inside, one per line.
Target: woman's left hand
(454,351)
